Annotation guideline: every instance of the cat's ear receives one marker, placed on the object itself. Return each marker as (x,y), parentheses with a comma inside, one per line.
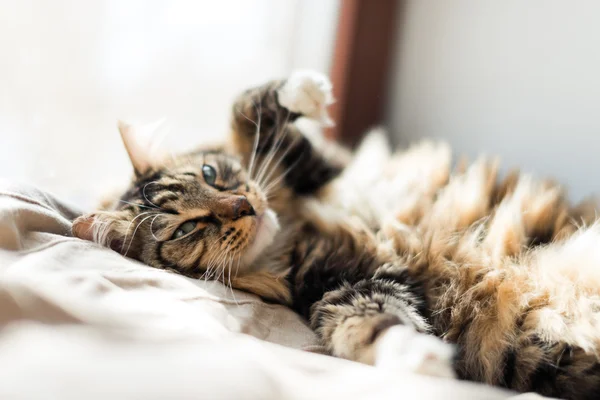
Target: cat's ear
(108,228)
(142,144)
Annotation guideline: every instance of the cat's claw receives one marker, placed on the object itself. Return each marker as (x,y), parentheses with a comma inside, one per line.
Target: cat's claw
(403,348)
(307,93)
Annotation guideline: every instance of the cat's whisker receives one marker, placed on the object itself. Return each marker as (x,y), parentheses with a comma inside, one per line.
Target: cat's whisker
(209,272)
(223,265)
(209,266)
(134,232)
(274,168)
(220,258)
(277,141)
(218,254)
(219,269)
(129,226)
(263,163)
(229,278)
(275,149)
(278,179)
(136,204)
(237,269)
(256,139)
(259,111)
(144,193)
(218,263)
(227,267)
(257,124)
(151,231)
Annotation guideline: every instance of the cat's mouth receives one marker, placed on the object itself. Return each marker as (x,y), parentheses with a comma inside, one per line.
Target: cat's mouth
(265,229)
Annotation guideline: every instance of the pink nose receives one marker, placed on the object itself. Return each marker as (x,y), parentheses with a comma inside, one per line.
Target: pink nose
(234,207)
(242,208)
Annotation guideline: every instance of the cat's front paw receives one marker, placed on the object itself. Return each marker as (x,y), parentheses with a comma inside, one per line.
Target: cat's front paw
(403,348)
(307,93)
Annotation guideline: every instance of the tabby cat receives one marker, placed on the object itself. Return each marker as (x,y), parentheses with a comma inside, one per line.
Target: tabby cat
(375,251)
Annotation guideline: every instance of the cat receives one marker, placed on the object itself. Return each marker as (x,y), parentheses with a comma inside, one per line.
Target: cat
(247,212)
(510,270)
(377,251)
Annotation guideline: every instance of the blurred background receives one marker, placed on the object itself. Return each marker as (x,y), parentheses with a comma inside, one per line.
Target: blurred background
(69,69)
(512,78)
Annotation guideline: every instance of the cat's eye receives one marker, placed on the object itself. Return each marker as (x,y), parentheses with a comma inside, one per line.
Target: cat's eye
(209,174)
(184,229)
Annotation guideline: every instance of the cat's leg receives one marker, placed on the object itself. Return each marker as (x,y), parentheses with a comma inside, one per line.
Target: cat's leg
(263,131)
(405,349)
(363,304)
(380,321)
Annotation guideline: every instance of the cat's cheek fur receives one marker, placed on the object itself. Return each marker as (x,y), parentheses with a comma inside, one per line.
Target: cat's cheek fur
(267,226)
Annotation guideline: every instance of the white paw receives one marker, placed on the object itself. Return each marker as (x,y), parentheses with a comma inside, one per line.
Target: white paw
(403,348)
(307,93)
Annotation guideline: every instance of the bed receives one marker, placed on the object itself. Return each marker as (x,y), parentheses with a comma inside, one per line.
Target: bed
(82,322)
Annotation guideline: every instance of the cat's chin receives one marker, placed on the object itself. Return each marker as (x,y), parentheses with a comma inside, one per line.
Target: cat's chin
(267,226)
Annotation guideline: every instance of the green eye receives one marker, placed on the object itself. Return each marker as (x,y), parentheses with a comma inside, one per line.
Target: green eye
(184,229)
(209,174)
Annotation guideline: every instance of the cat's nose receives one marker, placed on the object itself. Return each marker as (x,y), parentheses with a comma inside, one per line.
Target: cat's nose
(242,208)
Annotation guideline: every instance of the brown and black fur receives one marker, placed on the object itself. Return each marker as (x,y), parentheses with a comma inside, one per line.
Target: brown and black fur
(333,272)
(458,255)
(510,270)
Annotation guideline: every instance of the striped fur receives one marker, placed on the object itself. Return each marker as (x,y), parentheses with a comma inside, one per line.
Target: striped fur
(510,269)
(329,268)
(504,269)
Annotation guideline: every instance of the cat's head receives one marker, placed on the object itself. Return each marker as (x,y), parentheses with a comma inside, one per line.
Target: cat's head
(198,213)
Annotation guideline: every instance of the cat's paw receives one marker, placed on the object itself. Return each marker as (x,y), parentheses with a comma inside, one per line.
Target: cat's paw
(307,93)
(403,348)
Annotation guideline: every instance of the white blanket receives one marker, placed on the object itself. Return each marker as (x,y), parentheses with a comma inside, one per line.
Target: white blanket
(82,322)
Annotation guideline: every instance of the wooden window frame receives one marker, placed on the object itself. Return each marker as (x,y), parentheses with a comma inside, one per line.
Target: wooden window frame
(360,66)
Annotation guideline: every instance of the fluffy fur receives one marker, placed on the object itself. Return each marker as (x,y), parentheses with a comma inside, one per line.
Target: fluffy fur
(378,250)
(510,269)
(257,221)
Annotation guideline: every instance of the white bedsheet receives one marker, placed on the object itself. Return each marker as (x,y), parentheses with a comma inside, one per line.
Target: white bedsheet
(82,322)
